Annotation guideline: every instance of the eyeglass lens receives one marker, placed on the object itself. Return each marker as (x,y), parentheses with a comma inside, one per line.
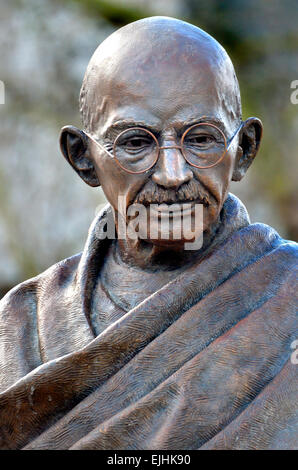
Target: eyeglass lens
(137,149)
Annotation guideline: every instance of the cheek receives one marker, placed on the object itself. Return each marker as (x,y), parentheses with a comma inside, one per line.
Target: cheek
(217,179)
(224,173)
(116,184)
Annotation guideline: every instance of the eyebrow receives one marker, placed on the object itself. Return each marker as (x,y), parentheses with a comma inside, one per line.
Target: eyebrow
(127,124)
(208,119)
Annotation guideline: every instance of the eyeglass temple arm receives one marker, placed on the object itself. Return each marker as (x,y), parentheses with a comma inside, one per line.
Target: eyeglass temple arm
(100,145)
(233,137)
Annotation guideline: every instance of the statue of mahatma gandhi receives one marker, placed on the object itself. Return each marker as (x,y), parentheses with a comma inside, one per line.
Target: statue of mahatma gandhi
(138,342)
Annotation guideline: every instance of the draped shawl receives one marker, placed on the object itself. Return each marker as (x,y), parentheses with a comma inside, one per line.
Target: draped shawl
(203,363)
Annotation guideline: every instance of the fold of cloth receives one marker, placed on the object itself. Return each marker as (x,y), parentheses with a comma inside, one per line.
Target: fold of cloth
(201,363)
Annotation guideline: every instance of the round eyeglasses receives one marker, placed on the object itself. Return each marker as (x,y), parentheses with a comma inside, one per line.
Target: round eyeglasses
(136,149)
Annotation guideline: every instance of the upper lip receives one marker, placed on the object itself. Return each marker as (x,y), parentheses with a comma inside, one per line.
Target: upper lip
(180,202)
(185,201)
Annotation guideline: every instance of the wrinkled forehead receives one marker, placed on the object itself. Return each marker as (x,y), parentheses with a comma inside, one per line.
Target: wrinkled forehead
(161,72)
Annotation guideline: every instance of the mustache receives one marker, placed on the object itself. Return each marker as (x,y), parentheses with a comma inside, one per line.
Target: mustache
(152,193)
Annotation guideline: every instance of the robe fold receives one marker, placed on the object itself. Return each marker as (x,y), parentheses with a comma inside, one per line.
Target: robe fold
(205,362)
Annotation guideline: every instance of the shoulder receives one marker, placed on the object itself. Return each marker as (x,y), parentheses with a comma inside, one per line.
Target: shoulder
(285,253)
(276,256)
(27,293)
(19,325)
(276,241)
(288,251)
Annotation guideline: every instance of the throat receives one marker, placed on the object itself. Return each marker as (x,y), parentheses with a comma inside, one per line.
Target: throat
(128,285)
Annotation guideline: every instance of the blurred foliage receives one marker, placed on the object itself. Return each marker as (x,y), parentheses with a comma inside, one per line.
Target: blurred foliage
(116,13)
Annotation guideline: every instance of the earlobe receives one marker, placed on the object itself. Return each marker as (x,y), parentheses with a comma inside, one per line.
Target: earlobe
(249,143)
(74,148)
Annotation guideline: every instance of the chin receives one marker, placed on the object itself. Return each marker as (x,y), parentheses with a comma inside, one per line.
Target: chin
(172,244)
(169,240)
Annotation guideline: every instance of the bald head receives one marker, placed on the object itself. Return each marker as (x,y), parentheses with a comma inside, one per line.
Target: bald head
(157,58)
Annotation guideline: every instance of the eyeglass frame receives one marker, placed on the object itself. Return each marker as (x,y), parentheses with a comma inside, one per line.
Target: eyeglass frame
(168,146)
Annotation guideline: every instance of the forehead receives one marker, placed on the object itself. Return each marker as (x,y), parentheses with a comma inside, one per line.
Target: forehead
(163,98)
(157,81)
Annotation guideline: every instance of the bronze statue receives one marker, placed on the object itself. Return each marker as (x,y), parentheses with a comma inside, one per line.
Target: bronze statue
(139,343)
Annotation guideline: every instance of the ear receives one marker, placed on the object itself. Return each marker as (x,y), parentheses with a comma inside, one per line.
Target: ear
(74,147)
(249,143)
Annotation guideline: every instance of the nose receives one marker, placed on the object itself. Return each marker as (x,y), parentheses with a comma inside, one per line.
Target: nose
(171,170)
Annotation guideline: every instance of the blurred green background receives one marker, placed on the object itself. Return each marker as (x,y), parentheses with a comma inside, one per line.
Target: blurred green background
(45,209)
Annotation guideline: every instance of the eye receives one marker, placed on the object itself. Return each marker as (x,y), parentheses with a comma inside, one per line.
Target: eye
(200,140)
(136,143)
